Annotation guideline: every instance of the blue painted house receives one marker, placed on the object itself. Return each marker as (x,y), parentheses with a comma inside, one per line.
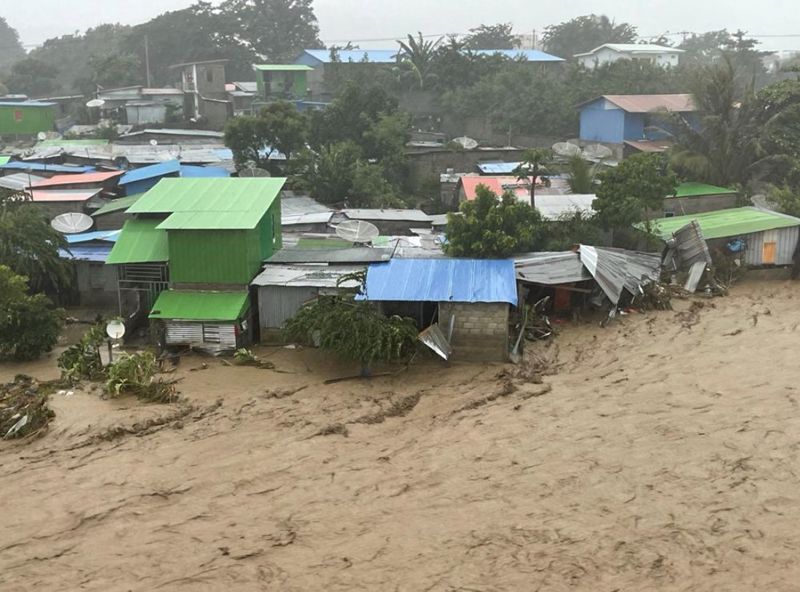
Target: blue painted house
(616,119)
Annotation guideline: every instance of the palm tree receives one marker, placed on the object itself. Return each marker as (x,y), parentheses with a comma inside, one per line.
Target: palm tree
(421,55)
(532,165)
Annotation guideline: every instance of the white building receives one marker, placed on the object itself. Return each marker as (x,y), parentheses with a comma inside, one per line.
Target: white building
(612,52)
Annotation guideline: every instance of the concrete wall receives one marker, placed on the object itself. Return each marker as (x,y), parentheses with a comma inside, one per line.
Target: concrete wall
(97,285)
(432,163)
(480,330)
(678,206)
(608,56)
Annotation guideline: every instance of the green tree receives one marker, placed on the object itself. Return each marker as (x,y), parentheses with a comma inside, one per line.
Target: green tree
(32,77)
(492,227)
(734,141)
(420,55)
(704,48)
(353,330)
(580,175)
(632,191)
(29,245)
(276,30)
(499,36)
(584,33)
(11,49)
(113,70)
(29,325)
(330,171)
(278,125)
(533,164)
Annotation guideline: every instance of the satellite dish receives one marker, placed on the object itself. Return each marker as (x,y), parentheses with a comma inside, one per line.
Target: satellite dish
(357,231)
(115,329)
(566,149)
(597,152)
(41,136)
(154,142)
(466,143)
(71,223)
(254,172)
(95,103)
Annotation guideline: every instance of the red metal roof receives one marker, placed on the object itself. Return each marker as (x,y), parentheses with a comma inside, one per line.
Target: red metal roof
(56,195)
(646,103)
(498,184)
(84,179)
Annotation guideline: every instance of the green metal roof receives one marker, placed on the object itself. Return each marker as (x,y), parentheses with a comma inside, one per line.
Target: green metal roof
(692,189)
(4,159)
(140,242)
(724,223)
(234,203)
(282,68)
(200,306)
(123,203)
(323,243)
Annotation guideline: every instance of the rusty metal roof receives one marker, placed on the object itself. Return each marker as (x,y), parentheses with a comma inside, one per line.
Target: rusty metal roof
(679,103)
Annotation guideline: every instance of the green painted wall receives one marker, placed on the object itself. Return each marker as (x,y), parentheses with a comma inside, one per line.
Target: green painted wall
(269,231)
(277,83)
(214,256)
(18,119)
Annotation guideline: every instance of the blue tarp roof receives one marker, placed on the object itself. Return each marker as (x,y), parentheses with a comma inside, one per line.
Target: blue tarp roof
(203,171)
(442,280)
(109,236)
(162,169)
(53,168)
(96,253)
(497,168)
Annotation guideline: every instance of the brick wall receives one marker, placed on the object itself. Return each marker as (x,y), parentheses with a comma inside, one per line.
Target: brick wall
(480,330)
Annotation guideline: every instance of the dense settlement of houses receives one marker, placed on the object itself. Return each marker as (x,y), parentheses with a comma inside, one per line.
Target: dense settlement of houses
(163,232)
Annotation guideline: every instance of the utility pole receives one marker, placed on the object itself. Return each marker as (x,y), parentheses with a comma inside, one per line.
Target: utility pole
(147,59)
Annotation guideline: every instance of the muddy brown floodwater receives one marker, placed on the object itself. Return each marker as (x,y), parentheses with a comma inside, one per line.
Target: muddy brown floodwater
(662,455)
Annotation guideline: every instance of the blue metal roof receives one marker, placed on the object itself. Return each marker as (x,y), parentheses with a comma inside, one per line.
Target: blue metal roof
(497,168)
(39,166)
(203,171)
(378,56)
(442,280)
(530,55)
(162,169)
(109,236)
(95,253)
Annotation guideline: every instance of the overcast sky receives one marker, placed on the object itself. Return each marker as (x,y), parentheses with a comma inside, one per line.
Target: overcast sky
(342,20)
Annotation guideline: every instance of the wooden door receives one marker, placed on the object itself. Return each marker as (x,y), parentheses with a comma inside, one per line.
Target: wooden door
(768,251)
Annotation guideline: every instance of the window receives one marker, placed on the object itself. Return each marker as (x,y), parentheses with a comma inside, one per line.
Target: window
(209,75)
(669,214)
(211,333)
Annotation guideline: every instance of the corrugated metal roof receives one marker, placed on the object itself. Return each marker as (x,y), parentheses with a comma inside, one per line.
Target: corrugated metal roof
(615,270)
(45,168)
(84,179)
(387,214)
(650,146)
(553,207)
(678,103)
(377,56)
(726,223)
(94,253)
(551,268)
(296,205)
(497,168)
(199,306)
(25,104)
(351,255)
(140,242)
(199,202)
(692,189)
(282,67)
(499,185)
(310,218)
(315,276)
(60,195)
(439,220)
(208,172)
(442,280)
(108,236)
(115,205)
(72,143)
(19,181)
(248,87)
(175,132)
(152,171)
